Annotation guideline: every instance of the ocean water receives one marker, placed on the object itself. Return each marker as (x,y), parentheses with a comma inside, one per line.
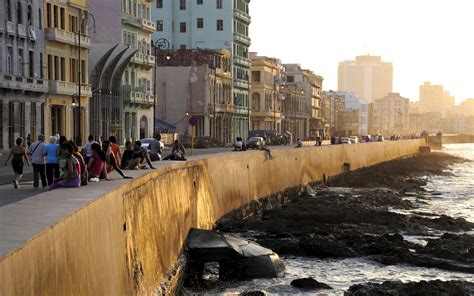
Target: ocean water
(448,195)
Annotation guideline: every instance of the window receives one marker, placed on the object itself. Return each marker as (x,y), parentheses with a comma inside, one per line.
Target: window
(200,23)
(8,9)
(219,4)
(29,16)
(56,68)
(50,67)
(220,25)
(9,60)
(182,46)
(41,66)
(48,15)
(21,64)
(63,69)
(255,76)
(31,63)
(83,72)
(40,19)
(199,2)
(19,13)
(159,26)
(159,3)
(63,22)
(182,4)
(290,79)
(182,27)
(55,16)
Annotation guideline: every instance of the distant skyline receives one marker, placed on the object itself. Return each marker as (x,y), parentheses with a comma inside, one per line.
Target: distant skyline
(426,40)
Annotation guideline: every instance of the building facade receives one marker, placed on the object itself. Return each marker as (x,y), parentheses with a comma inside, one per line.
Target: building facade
(197,83)
(296,106)
(368,76)
(137,86)
(211,24)
(66,58)
(391,115)
(313,90)
(434,98)
(23,86)
(266,93)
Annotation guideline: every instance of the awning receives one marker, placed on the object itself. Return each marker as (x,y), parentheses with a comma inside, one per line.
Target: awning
(163,125)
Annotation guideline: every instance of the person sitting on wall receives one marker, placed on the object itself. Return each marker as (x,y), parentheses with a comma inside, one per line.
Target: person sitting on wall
(240,145)
(139,156)
(263,146)
(72,169)
(299,144)
(178,152)
(127,155)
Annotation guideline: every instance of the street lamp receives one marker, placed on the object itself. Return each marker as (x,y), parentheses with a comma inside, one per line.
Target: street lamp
(79,65)
(159,46)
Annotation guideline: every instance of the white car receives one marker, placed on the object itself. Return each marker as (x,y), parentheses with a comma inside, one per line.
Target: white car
(354,139)
(345,140)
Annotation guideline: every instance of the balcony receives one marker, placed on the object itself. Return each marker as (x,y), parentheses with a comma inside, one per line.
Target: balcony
(68,88)
(143,59)
(241,61)
(242,16)
(11,28)
(23,83)
(241,83)
(21,30)
(242,38)
(148,25)
(55,34)
(136,95)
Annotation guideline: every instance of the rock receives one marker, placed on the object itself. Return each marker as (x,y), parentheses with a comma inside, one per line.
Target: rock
(253,293)
(414,288)
(309,284)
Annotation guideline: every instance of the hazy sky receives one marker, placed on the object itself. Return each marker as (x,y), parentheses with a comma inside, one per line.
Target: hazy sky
(426,40)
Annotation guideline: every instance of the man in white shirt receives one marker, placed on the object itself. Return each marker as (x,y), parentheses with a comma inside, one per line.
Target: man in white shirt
(87,150)
(36,151)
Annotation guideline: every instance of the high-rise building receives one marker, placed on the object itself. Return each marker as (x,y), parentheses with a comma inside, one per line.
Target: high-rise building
(434,98)
(211,24)
(66,58)
(368,76)
(22,77)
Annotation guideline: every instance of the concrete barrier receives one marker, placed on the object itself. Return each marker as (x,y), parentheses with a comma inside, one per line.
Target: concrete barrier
(124,241)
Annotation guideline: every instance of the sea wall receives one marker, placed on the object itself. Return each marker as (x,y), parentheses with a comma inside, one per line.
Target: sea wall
(125,241)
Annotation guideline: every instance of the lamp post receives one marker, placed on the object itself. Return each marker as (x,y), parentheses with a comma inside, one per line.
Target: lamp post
(159,46)
(79,65)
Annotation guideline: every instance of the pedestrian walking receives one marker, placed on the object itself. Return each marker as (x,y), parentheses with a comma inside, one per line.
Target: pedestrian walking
(36,151)
(51,151)
(18,156)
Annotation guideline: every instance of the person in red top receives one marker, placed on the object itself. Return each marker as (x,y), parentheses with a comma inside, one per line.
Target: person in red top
(96,164)
(115,149)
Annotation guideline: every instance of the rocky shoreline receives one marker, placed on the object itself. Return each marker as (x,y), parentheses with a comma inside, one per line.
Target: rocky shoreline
(367,213)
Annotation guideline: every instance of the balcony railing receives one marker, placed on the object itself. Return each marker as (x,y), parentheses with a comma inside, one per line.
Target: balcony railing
(241,61)
(136,95)
(242,38)
(242,15)
(11,28)
(55,34)
(22,83)
(147,24)
(143,59)
(21,30)
(68,88)
(241,83)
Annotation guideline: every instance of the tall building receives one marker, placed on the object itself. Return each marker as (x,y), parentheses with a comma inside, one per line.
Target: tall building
(22,77)
(434,98)
(368,76)
(266,93)
(66,58)
(295,106)
(391,115)
(211,24)
(313,90)
(137,86)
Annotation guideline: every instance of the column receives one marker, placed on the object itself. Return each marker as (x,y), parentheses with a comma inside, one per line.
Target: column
(134,124)
(5,120)
(28,121)
(39,117)
(16,121)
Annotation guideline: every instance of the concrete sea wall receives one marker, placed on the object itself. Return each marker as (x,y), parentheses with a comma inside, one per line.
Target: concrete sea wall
(125,241)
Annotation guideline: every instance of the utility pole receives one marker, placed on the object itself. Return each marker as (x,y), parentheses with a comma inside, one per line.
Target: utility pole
(79,136)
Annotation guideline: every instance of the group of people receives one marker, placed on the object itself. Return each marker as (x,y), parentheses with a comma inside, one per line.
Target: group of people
(60,164)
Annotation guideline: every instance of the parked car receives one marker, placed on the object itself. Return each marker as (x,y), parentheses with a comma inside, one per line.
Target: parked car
(147,141)
(254,142)
(365,139)
(354,139)
(345,140)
